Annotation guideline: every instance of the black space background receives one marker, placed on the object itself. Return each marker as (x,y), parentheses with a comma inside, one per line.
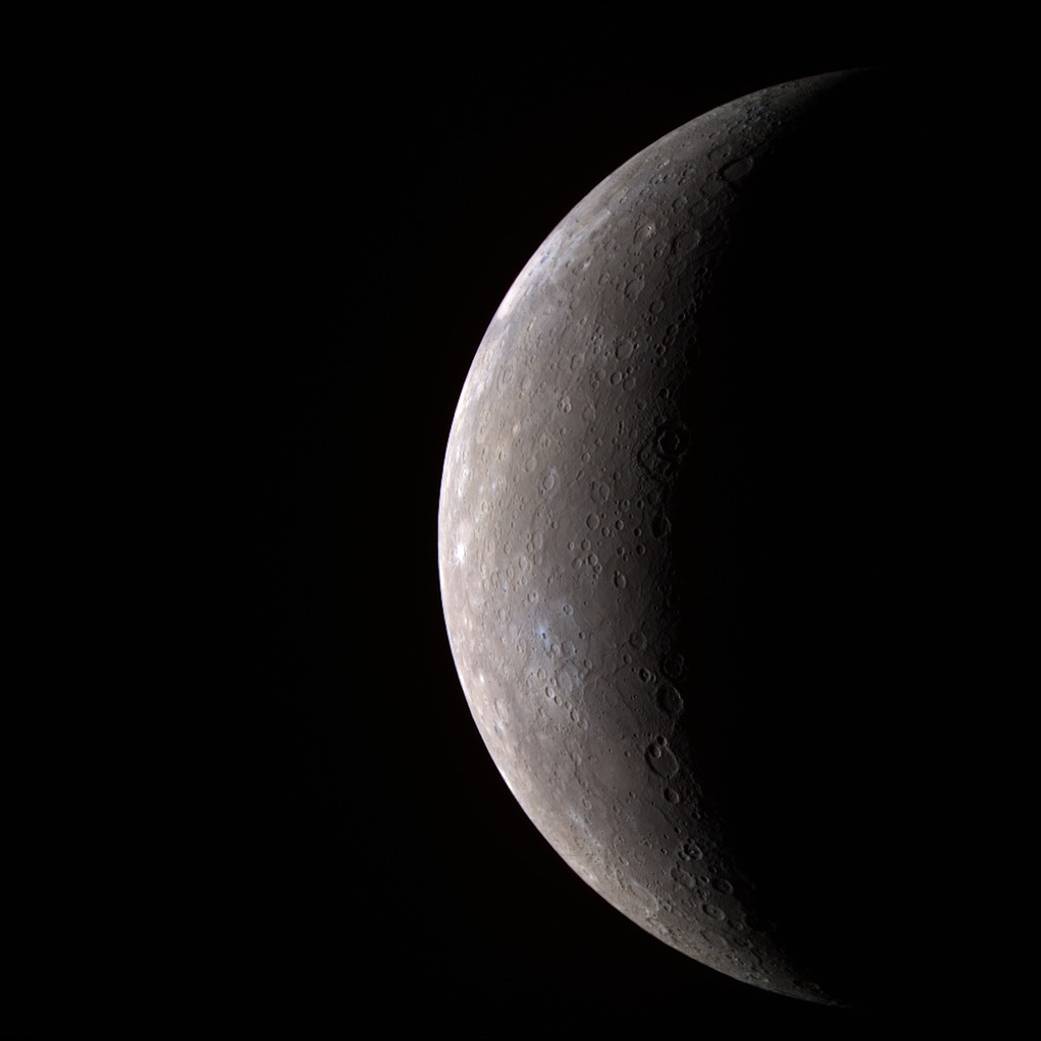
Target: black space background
(310,835)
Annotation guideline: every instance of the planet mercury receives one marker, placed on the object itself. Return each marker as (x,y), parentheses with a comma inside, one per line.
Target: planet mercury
(676,520)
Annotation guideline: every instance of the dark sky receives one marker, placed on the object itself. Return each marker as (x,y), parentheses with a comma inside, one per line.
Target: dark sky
(327,842)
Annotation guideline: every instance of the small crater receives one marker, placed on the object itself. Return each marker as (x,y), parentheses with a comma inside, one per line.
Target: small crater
(674,666)
(660,526)
(738,169)
(663,452)
(661,760)
(669,699)
(690,850)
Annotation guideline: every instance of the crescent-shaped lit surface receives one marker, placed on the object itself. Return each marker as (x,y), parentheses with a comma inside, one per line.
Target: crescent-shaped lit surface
(585,529)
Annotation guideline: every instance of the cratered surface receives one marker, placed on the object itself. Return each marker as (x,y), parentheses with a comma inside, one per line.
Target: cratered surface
(675,521)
